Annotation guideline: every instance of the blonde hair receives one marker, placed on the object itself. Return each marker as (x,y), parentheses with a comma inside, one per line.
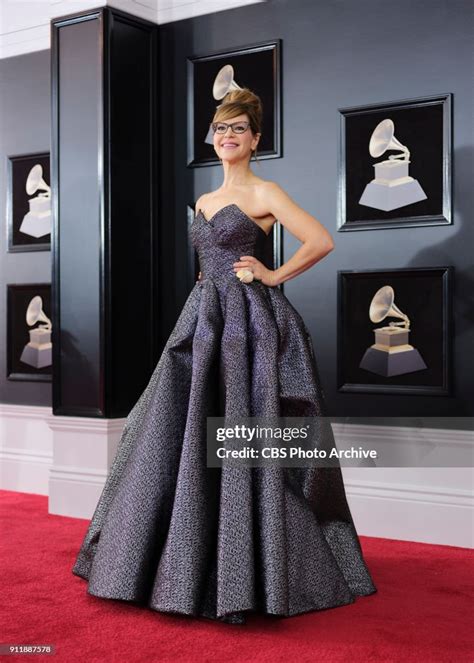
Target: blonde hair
(237,102)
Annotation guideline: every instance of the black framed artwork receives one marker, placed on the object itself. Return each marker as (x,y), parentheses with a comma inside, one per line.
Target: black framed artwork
(272,249)
(394,330)
(29,215)
(29,332)
(395,164)
(211,76)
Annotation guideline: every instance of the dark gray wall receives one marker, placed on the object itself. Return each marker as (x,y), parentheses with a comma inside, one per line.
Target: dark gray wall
(336,53)
(340,53)
(24,127)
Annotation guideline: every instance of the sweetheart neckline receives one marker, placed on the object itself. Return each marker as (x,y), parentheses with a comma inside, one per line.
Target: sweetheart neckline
(252,221)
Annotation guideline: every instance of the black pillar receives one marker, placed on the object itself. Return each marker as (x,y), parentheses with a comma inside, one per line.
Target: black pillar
(104,175)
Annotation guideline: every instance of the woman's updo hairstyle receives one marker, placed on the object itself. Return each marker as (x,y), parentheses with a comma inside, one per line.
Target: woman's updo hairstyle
(237,102)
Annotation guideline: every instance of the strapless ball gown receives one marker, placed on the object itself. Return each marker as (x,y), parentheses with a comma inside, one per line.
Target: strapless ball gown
(177,536)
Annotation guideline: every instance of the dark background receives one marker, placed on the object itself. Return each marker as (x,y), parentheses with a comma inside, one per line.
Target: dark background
(421,130)
(417,294)
(19,332)
(256,69)
(335,54)
(20,169)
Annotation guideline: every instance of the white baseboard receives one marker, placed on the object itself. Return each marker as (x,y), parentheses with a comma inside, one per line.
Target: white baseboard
(439,514)
(409,501)
(83,451)
(26,448)
(68,459)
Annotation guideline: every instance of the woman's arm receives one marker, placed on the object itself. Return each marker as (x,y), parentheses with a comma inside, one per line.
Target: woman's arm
(316,240)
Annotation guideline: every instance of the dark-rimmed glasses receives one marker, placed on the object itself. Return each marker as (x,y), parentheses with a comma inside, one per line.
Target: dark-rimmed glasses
(237,127)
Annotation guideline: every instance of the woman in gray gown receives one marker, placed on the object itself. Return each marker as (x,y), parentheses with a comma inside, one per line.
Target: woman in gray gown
(175,535)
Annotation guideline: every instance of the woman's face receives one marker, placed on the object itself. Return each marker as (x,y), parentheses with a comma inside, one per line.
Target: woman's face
(232,146)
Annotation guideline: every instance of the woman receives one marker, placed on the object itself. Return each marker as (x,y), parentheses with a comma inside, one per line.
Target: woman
(175,533)
(262,200)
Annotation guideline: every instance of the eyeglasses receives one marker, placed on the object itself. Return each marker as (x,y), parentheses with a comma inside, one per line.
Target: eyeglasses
(237,127)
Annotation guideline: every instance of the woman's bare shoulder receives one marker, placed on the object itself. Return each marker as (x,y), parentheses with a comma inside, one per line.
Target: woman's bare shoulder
(268,189)
(200,202)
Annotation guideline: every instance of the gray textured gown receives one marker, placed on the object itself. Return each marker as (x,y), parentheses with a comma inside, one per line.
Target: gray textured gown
(177,536)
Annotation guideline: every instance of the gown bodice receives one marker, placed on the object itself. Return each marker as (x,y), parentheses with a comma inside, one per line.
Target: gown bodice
(221,240)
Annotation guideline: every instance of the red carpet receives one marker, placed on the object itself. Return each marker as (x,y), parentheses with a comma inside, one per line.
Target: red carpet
(422,612)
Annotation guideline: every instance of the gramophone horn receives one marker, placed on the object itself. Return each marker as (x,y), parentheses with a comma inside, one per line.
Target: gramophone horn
(383,139)
(35,181)
(224,82)
(35,313)
(383,306)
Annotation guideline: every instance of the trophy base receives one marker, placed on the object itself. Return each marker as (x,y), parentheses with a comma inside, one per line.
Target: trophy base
(389,364)
(388,197)
(37,356)
(36,225)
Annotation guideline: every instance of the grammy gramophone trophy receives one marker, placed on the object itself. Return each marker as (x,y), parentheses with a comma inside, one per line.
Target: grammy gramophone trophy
(223,83)
(37,222)
(392,187)
(38,352)
(391,354)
